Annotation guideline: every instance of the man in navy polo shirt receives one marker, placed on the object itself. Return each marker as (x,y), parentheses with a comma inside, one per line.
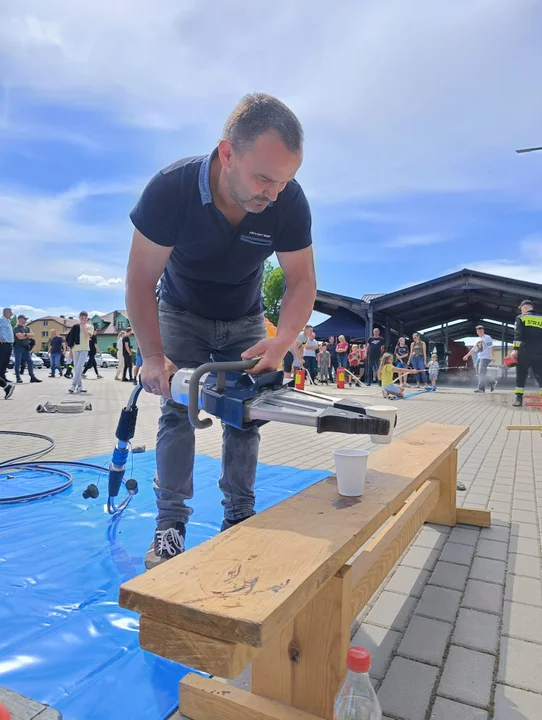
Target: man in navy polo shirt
(204,227)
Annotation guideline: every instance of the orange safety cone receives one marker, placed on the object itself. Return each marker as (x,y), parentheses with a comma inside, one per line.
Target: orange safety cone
(340,377)
(299,378)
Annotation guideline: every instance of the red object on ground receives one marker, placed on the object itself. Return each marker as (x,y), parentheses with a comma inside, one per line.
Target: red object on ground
(340,377)
(299,382)
(4,713)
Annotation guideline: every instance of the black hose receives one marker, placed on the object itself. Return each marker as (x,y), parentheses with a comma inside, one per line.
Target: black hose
(21,462)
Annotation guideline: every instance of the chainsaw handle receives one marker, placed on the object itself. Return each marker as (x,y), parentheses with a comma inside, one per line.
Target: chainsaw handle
(194,387)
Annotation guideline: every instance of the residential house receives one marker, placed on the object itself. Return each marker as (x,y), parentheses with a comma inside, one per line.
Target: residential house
(41,327)
(109,326)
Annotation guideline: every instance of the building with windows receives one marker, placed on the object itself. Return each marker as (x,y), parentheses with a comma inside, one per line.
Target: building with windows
(109,326)
(41,327)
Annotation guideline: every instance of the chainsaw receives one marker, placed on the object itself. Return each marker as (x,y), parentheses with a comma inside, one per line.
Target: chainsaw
(226,391)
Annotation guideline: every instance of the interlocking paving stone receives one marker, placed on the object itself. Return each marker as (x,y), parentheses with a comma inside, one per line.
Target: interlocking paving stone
(524,565)
(520,663)
(425,640)
(491,549)
(467,676)
(527,531)
(488,570)
(495,533)
(477,630)
(514,704)
(463,536)
(449,575)
(522,621)
(408,581)
(421,557)
(524,516)
(431,538)
(525,546)
(445,709)
(439,603)
(455,553)
(392,610)
(407,688)
(523,589)
(380,642)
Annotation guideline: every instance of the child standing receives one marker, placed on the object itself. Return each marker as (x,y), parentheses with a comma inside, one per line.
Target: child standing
(354,362)
(386,371)
(324,364)
(433,369)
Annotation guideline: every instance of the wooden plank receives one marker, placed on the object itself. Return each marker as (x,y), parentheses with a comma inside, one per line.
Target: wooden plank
(245,584)
(446,509)
(472,516)
(375,561)
(305,664)
(202,698)
(217,657)
(524,427)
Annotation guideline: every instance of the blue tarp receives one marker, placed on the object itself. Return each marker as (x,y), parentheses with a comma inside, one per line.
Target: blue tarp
(343,322)
(64,640)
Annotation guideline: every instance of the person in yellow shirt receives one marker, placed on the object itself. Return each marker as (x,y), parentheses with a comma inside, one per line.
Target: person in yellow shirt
(386,371)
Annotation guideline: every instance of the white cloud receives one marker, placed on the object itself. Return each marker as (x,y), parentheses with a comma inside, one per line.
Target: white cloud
(417,96)
(525,265)
(100,282)
(403,241)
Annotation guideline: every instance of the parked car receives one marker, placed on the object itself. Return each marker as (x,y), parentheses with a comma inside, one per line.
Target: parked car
(106,360)
(45,357)
(36,359)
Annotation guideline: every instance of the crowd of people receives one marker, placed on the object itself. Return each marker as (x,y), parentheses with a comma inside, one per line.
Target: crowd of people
(363,361)
(71,357)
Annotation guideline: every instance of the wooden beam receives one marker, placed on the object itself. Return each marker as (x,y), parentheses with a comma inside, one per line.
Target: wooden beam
(446,474)
(473,516)
(217,657)
(371,566)
(202,698)
(305,664)
(524,427)
(245,584)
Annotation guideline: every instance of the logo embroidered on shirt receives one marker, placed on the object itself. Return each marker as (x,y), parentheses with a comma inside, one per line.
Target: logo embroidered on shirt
(255,238)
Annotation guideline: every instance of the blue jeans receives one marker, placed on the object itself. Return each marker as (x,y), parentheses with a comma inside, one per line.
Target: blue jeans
(311,366)
(22,353)
(482,373)
(55,363)
(190,341)
(419,364)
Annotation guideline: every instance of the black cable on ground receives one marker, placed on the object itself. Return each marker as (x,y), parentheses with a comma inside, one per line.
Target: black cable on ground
(24,462)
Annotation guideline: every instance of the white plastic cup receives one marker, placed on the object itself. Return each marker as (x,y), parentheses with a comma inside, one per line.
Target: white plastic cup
(387,412)
(350,468)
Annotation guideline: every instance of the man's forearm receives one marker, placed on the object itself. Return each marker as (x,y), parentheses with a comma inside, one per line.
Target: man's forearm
(296,308)
(143,313)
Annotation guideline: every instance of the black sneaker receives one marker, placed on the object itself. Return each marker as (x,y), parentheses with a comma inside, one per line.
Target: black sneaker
(518,401)
(9,390)
(19,381)
(34,379)
(493,385)
(227,524)
(479,391)
(168,542)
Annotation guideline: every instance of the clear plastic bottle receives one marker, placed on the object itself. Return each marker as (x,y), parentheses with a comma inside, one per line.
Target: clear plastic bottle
(357,699)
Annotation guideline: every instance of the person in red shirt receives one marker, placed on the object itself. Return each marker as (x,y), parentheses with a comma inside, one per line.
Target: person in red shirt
(354,363)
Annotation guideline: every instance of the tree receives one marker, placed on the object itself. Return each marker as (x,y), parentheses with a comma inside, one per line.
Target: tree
(272,290)
(13,321)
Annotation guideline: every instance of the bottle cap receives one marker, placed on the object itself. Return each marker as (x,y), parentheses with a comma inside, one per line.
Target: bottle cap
(358,659)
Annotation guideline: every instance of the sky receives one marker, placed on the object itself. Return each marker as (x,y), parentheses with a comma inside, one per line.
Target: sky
(412,113)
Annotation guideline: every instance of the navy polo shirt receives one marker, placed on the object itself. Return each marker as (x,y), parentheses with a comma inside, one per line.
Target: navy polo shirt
(215,269)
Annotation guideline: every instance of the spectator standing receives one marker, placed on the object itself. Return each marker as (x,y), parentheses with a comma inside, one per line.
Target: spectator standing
(309,355)
(434,368)
(56,348)
(354,363)
(418,358)
(6,342)
(375,348)
(21,349)
(324,364)
(93,351)
(120,367)
(127,356)
(333,364)
(78,340)
(299,346)
(139,363)
(484,356)
(342,349)
(401,353)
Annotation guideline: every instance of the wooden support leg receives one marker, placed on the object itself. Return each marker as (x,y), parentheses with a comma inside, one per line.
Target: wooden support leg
(445,513)
(305,665)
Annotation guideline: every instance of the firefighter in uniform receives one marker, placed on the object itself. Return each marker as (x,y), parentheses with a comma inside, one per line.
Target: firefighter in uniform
(527,348)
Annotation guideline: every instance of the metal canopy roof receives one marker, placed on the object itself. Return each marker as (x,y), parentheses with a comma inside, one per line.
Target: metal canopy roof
(466,329)
(328,303)
(465,294)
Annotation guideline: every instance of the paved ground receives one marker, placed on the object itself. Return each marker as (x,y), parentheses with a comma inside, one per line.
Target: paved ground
(464,606)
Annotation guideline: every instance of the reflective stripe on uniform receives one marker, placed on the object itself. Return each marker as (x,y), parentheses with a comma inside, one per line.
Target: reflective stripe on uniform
(520,391)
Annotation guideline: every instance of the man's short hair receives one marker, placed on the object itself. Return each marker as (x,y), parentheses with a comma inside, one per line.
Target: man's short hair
(83,312)
(258,113)
(7,310)
(479,327)
(308,326)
